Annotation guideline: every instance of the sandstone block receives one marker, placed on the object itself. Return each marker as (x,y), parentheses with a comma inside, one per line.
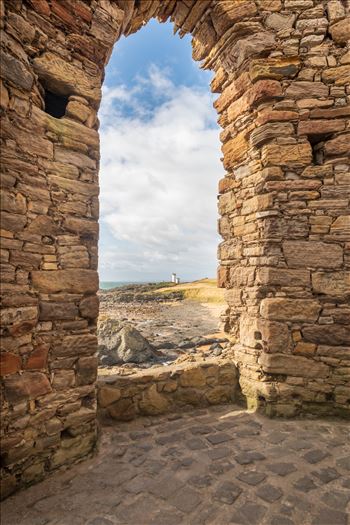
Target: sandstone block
(152,402)
(122,410)
(340,31)
(234,150)
(292,156)
(292,365)
(74,345)
(335,10)
(37,360)
(340,145)
(332,334)
(220,394)
(73,281)
(319,127)
(29,385)
(306,349)
(331,283)
(258,333)
(89,306)
(281,309)
(312,254)
(283,277)
(192,377)
(339,75)
(270,131)
(305,89)
(63,379)
(86,370)
(73,449)
(15,72)
(341,226)
(9,363)
(108,395)
(225,15)
(12,203)
(50,311)
(61,76)
(279,21)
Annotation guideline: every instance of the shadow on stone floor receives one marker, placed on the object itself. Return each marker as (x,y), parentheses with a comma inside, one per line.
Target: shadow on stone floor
(215,466)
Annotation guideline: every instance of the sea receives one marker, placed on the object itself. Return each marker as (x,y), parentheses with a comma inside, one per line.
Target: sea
(107,285)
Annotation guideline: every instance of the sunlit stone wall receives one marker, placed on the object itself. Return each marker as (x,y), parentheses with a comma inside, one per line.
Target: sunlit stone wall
(282,74)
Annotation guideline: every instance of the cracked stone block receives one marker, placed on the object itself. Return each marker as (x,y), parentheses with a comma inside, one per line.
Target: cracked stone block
(326,475)
(251,477)
(201,429)
(315,456)
(269,493)
(245,458)
(201,481)
(282,469)
(326,516)
(249,514)
(220,437)
(227,492)
(185,499)
(305,484)
(219,453)
(336,499)
(195,444)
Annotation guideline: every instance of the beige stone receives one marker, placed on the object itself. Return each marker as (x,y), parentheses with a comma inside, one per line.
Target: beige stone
(281,309)
(74,281)
(293,156)
(312,254)
(108,395)
(192,377)
(292,365)
(62,77)
(153,403)
(331,283)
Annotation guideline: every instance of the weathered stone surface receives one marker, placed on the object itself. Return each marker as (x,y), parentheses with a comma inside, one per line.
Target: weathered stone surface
(50,311)
(296,155)
(74,281)
(340,31)
(312,254)
(9,363)
(303,88)
(28,385)
(62,77)
(292,365)
(280,309)
(338,146)
(333,334)
(282,277)
(88,307)
(16,72)
(331,283)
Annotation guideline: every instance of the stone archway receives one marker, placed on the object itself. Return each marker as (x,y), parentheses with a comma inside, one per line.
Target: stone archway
(282,75)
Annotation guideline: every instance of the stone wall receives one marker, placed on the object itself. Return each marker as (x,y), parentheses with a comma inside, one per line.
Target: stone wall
(282,74)
(167,389)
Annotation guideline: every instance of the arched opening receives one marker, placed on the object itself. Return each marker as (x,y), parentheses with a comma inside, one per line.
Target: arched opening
(159,172)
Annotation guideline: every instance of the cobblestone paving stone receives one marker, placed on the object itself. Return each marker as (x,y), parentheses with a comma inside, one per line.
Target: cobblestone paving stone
(219,466)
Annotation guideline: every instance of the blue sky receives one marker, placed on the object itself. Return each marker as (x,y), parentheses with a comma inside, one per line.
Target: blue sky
(159,161)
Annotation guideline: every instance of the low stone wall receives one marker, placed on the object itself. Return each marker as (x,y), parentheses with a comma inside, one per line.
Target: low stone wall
(165,389)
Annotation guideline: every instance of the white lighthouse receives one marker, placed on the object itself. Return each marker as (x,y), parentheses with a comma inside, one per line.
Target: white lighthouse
(173,278)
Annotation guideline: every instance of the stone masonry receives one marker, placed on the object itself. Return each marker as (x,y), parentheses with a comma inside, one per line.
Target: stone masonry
(281,71)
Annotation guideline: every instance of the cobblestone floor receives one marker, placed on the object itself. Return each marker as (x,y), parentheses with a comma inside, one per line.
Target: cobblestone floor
(217,466)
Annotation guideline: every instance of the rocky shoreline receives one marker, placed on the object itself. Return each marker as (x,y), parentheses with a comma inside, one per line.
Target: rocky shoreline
(141,326)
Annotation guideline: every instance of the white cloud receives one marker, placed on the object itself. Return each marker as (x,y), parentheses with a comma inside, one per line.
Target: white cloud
(159,174)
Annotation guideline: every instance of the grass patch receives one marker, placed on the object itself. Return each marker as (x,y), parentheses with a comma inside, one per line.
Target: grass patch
(203,291)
